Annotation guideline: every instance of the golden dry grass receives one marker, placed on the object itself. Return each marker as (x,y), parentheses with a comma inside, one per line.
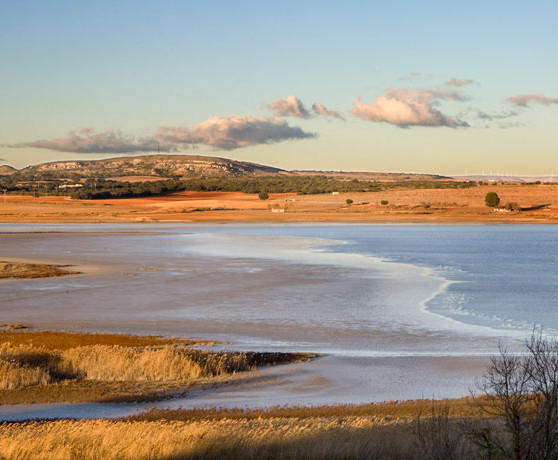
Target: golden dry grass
(358,437)
(13,375)
(65,340)
(33,372)
(25,271)
(166,363)
(459,407)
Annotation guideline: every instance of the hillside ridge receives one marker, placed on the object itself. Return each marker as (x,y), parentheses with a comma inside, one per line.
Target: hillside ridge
(184,166)
(164,166)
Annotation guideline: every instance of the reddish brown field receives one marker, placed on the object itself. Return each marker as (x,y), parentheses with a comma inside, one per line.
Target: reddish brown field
(410,205)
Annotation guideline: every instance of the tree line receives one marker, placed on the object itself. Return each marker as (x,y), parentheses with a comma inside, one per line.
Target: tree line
(91,189)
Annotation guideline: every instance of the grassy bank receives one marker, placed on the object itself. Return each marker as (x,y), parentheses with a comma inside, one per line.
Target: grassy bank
(242,439)
(26,271)
(40,366)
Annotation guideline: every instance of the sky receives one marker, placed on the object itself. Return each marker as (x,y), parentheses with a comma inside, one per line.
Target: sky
(429,86)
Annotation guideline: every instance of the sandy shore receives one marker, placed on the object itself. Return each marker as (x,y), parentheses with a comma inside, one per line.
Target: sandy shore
(404,206)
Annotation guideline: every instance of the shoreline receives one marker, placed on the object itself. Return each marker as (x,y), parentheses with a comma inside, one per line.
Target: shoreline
(372,324)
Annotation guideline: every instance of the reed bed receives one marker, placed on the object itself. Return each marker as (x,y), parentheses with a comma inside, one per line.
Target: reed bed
(167,363)
(388,410)
(14,376)
(55,340)
(24,365)
(357,438)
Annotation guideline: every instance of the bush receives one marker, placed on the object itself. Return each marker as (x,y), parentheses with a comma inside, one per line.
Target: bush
(384,202)
(492,199)
(349,201)
(522,392)
(263,195)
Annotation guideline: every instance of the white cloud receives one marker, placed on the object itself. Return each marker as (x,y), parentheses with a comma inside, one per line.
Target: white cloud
(319,108)
(88,141)
(408,107)
(289,107)
(221,133)
(525,100)
(458,83)
(228,133)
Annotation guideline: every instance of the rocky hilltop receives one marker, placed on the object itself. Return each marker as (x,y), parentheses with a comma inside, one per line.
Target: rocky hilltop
(164,166)
(155,167)
(6,169)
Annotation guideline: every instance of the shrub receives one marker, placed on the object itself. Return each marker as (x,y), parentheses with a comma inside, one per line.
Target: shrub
(522,392)
(492,199)
(384,202)
(349,201)
(263,195)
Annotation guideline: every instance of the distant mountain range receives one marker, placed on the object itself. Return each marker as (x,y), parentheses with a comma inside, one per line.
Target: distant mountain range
(180,166)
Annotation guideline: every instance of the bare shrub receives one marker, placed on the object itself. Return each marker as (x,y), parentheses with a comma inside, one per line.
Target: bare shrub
(438,436)
(522,393)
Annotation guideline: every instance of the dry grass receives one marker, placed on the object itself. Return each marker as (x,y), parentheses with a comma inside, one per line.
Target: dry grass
(33,372)
(382,431)
(13,375)
(243,439)
(460,407)
(25,271)
(167,363)
(66,340)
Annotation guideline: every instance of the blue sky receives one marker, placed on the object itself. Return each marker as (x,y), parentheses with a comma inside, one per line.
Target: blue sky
(137,74)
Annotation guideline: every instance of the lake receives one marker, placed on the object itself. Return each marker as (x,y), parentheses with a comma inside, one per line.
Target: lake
(401,311)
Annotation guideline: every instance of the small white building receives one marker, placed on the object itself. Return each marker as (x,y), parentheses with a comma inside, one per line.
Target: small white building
(70,186)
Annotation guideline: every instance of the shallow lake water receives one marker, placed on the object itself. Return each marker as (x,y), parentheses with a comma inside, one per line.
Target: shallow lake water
(401,311)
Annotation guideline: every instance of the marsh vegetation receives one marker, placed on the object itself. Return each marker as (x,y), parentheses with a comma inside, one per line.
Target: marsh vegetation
(43,366)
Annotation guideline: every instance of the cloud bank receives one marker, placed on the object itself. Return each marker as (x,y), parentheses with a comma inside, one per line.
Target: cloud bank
(88,141)
(228,133)
(408,107)
(458,83)
(319,108)
(525,100)
(220,133)
(497,115)
(289,107)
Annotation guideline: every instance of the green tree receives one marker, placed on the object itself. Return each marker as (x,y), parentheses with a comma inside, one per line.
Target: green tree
(384,202)
(349,201)
(492,199)
(263,195)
